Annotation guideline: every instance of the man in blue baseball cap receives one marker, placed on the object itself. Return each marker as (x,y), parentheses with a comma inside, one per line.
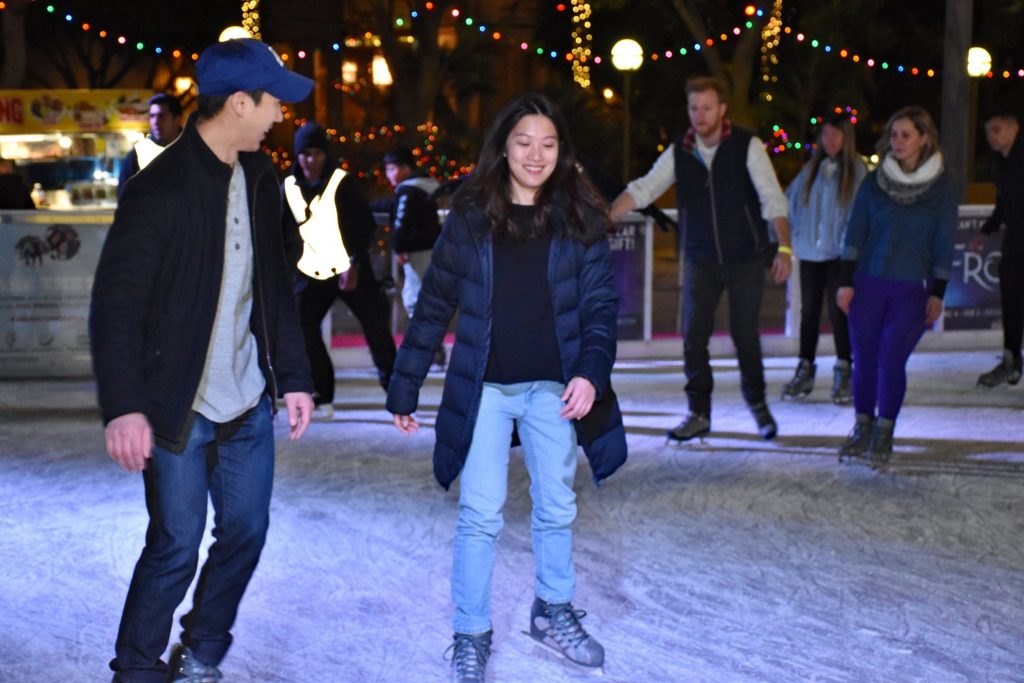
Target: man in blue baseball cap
(195,338)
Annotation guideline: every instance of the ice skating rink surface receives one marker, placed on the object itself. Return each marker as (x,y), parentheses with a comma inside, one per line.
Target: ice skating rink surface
(732,560)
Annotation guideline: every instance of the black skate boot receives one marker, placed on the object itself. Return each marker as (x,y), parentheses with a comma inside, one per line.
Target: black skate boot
(186,668)
(856,444)
(1008,371)
(766,425)
(842,375)
(558,627)
(469,657)
(880,446)
(803,381)
(693,426)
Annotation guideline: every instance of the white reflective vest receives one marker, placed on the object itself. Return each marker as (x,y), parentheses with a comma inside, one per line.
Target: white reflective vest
(323,252)
(145,151)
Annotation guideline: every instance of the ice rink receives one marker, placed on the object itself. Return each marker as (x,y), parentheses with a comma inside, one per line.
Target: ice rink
(732,560)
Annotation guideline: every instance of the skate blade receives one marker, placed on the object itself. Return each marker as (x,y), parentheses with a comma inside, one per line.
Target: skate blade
(676,441)
(597,671)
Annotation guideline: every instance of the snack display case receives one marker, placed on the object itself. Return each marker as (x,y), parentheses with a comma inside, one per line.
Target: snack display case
(67,145)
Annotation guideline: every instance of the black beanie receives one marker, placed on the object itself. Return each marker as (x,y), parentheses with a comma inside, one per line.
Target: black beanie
(311,135)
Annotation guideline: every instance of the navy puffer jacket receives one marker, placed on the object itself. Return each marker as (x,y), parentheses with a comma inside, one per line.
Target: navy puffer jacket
(460,279)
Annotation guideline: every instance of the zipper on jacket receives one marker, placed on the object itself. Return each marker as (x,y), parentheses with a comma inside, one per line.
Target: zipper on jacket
(714,218)
(258,294)
(753,227)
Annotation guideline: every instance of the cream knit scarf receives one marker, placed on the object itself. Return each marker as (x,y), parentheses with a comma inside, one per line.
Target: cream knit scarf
(907,188)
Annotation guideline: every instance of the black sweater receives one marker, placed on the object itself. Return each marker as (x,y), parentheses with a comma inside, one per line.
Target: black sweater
(524,347)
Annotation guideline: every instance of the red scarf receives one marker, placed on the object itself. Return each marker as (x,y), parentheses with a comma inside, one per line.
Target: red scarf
(690,139)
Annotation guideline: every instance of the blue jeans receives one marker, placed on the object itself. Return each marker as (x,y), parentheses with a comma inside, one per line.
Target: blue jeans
(549,444)
(232,464)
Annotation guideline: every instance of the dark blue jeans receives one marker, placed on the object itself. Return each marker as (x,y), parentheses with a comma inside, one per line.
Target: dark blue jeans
(232,464)
(703,284)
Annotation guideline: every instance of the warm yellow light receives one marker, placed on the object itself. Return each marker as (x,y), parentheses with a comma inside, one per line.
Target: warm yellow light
(608,93)
(381,73)
(979,62)
(349,73)
(233,33)
(627,55)
(182,84)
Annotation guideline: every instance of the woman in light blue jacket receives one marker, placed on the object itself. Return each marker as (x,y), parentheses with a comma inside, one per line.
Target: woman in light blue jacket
(820,198)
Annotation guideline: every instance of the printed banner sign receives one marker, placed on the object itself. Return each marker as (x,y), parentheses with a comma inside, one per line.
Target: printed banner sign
(72,111)
(628,262)
(972,297)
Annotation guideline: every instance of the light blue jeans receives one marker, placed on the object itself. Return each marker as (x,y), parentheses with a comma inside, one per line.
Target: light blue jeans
(549,443)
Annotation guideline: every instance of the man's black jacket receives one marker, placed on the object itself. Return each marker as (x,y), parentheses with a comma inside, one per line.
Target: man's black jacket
(155,293)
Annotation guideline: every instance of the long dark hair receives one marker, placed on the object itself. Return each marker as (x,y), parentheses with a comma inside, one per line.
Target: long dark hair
(584,213)
(847,160)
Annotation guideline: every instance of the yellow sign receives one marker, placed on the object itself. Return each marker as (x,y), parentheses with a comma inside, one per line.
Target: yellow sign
(73,111)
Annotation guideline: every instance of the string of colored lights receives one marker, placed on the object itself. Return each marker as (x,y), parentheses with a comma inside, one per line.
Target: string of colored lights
(439,165)
(889,66)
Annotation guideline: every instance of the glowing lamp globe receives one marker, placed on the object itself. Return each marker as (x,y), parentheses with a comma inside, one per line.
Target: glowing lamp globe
(979,62)
(627,55)
(233,33)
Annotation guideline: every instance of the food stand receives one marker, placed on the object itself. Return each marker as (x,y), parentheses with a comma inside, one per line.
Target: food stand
(68,146)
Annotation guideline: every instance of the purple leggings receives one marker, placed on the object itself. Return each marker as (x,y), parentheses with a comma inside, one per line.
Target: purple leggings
(886,322)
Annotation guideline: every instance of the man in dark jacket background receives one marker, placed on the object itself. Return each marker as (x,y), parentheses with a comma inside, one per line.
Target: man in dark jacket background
(1003,133)
(358,287)
(726,191)
(414,225)
(194,335)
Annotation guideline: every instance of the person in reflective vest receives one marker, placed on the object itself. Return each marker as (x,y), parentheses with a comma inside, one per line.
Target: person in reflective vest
(164,128)
(328,227)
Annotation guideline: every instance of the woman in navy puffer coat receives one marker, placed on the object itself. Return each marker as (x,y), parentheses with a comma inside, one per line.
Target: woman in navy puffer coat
(524,261)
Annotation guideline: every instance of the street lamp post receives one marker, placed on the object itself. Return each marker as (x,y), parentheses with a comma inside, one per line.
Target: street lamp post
(627,56)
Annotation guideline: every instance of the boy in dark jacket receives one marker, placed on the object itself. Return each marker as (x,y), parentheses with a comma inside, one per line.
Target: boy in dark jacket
(414,226)
(194,335)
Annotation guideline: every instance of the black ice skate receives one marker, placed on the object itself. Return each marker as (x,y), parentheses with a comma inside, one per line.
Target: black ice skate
(842,376)
(558,627)
(802,383)
(856,445)
(766,425)
(1007,372)
(880,446)
(469,657)
(695,425)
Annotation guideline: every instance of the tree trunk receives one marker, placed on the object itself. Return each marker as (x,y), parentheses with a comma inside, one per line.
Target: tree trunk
(12,75)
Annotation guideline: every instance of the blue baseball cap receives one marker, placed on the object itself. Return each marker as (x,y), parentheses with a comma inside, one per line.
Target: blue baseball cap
(246,64)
